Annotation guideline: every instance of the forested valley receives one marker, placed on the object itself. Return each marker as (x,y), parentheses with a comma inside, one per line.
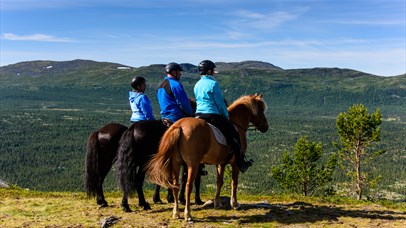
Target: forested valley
(48,109)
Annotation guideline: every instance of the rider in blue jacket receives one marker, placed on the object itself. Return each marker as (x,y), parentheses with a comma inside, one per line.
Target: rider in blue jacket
(212,107)
(172,98)
(140,105)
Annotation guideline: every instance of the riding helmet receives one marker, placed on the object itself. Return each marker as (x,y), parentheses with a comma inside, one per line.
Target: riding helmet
(206,65)
(137,81)
(172,66)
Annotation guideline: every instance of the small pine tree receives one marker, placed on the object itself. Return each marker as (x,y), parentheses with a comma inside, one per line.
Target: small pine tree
(358,130)
(302,174)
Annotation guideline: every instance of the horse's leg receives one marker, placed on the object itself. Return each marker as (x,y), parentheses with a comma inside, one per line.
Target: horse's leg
(140,182)
(184,180)
(124,203)
(191,176)
(234,183)
(100,195)
(170,197)
(220,181)
(103,173)
(198,201)
(175,182)
(156,197)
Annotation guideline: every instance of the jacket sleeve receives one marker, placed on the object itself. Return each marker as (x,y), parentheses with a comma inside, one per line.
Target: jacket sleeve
(182,99)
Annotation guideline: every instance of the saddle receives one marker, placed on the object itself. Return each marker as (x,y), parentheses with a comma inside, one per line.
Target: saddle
(220,138)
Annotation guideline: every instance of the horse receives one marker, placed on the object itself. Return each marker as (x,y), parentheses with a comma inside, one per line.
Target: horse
(101,153)
(191,141)
(137,145)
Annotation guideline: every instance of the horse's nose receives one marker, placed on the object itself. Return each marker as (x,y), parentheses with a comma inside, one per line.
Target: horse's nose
(263,128)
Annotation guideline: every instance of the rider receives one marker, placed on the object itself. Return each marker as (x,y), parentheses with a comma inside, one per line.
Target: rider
(140,105)
(212,108)
(172,98)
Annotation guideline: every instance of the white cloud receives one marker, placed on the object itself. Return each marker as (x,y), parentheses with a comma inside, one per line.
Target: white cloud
(35,37)
(253,20)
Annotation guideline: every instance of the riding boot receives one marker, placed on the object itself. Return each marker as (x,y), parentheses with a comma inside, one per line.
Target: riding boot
(241,163)
(244,165)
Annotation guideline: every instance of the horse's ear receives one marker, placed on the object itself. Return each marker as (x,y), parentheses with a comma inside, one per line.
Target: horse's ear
(260,95)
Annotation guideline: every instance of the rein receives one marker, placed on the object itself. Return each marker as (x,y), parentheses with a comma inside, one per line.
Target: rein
(250,127)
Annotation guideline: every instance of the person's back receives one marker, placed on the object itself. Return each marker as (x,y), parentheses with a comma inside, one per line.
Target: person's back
(172,98)
(141,108)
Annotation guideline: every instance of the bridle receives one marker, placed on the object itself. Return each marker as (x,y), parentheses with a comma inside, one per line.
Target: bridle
(251,127)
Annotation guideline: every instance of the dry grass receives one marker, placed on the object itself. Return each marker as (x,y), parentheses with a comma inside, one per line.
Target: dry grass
(20,208)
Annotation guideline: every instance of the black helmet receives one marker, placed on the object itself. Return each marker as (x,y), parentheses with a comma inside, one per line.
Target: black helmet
(172,66)
(206,65)
(137,81)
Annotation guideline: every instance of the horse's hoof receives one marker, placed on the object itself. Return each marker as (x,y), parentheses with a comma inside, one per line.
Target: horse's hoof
(217,204)
(236,207)
(147,207)
(199,202)
(103,203)
(127,209)
(176,216)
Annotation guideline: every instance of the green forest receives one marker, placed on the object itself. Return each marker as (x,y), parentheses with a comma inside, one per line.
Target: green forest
(48,113)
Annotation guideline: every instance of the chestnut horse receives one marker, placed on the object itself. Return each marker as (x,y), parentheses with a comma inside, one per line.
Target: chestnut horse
(191,140)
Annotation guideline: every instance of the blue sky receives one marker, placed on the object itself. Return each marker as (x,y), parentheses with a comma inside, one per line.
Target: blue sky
(365,35)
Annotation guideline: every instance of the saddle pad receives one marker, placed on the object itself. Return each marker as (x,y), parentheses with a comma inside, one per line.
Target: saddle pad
(218,135)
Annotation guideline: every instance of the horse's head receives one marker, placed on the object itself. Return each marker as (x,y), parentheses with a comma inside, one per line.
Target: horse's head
(254,108)
(258,118)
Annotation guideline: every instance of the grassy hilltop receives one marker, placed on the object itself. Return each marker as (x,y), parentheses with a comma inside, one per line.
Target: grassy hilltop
(21,208)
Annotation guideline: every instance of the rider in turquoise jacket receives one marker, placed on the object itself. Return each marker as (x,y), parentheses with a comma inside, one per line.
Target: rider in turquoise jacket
(212,108)
(172,98)
(209,98)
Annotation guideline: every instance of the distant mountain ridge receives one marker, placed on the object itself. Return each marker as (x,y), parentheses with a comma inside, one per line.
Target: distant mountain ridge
(41,67)
(79,73)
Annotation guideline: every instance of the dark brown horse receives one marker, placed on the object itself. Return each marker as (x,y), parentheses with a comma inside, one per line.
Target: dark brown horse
(101,153)
(191,141)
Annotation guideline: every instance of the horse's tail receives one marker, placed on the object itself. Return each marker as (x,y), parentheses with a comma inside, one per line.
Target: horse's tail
(127,162)
(92,164)
(160,166)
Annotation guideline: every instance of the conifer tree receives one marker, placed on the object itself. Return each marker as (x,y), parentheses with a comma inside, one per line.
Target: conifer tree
(303,174)
(358,130)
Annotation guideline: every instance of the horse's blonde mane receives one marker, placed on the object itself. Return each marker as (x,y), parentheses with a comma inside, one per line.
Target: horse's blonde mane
(249,102)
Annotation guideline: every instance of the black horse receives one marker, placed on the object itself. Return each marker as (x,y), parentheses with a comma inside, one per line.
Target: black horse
(101,153)
(137,144)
